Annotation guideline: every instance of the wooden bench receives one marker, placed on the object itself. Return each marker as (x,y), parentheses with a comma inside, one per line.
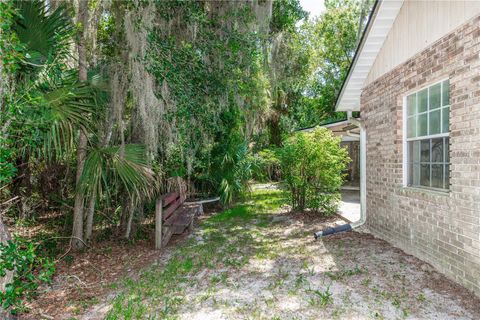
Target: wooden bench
(173,216)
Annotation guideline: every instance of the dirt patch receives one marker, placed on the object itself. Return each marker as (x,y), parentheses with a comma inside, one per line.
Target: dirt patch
(83,279)
(261,262)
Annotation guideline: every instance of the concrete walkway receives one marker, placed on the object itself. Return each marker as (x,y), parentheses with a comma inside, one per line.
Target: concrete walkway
(350,205)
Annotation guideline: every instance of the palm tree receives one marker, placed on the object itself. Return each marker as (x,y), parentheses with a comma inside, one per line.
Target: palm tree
(61,106)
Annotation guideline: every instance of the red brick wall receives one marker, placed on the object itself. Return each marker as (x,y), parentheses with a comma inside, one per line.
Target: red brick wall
(440,228)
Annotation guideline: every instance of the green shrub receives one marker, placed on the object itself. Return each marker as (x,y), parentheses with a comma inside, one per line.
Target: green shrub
(268,166)
(312,165)
(29,271)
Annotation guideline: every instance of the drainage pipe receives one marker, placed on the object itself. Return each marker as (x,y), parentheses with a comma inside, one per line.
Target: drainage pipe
(204,201)
(363,184)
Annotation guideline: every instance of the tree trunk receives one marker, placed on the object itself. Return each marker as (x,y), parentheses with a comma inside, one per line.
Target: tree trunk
(77,233)
(22,186)
(275,138)
(89,222)
(139,217)
(131,213)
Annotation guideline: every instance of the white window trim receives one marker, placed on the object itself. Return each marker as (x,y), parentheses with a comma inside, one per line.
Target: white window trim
(405,140)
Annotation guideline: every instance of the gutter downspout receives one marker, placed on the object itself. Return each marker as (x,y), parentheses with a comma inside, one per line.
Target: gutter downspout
(363,184)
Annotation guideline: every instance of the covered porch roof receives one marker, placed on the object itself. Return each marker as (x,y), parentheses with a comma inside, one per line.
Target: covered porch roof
(343,128)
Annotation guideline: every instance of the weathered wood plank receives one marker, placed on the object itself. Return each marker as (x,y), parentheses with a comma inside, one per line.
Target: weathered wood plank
(158,223)
(171,209)
(175,218)
(169,198)
(167,234)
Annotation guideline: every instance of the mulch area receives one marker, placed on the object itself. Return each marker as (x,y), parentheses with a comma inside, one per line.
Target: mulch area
(85,278)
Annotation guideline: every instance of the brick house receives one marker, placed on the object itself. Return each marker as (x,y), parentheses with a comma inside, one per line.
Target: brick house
(415,79)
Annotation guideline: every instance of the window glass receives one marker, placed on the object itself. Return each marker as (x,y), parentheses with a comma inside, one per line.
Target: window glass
(447,177)
(425,151)
(412,104)
(445,93)
(422,101)
(412,127)
(437,176)
(422,125)
(416,174)
(434,96)
(425,175)
(434,122)
(416,151)
(437,150)
(447,149)
(427,137)
(445,119)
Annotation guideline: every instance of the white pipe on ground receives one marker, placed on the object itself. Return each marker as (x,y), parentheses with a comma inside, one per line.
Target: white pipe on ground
(204,201)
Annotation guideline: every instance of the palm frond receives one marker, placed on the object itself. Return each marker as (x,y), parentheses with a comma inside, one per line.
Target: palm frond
(69,105)
(125,167)
(44,33)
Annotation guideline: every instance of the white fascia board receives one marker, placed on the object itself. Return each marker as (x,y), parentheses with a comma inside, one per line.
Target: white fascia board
(382,19)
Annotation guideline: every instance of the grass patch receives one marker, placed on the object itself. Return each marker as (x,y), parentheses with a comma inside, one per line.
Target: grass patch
(230,239)
(320,298)
(342,274)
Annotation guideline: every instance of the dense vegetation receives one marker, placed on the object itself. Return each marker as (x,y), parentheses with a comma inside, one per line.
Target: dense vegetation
(110,103)
(315,178)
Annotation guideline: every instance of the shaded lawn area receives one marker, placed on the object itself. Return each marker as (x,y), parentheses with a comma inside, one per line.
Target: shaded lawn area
(259,261)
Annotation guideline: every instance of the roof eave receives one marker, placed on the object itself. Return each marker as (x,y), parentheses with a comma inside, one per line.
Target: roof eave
(386,11)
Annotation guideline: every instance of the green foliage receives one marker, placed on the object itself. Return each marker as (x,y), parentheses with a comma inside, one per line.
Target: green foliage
(321,298)
(216,84)
(29,268)
(334,36)
(45,34)
(236,171)
(48,103)
(10,47)
(312,165)
(7,169)
(290,65)
(232,168)
(106,28)
(268,165)
(117,167)
(286,14)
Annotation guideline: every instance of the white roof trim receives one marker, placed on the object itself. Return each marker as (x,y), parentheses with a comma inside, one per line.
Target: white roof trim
(345,137)
(328,125)
(334,124)
(382,19)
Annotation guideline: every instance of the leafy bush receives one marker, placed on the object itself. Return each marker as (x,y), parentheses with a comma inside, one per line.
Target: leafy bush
(7,169)
(267,164)
(312,165)
(236,171)
(29,271)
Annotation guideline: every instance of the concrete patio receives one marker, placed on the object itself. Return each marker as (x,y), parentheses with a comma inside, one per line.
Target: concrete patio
(349,207)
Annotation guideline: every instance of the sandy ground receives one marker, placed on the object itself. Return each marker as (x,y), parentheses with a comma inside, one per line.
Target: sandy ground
(286,274)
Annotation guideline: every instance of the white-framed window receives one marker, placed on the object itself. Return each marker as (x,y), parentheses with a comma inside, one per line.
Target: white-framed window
(427,137)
